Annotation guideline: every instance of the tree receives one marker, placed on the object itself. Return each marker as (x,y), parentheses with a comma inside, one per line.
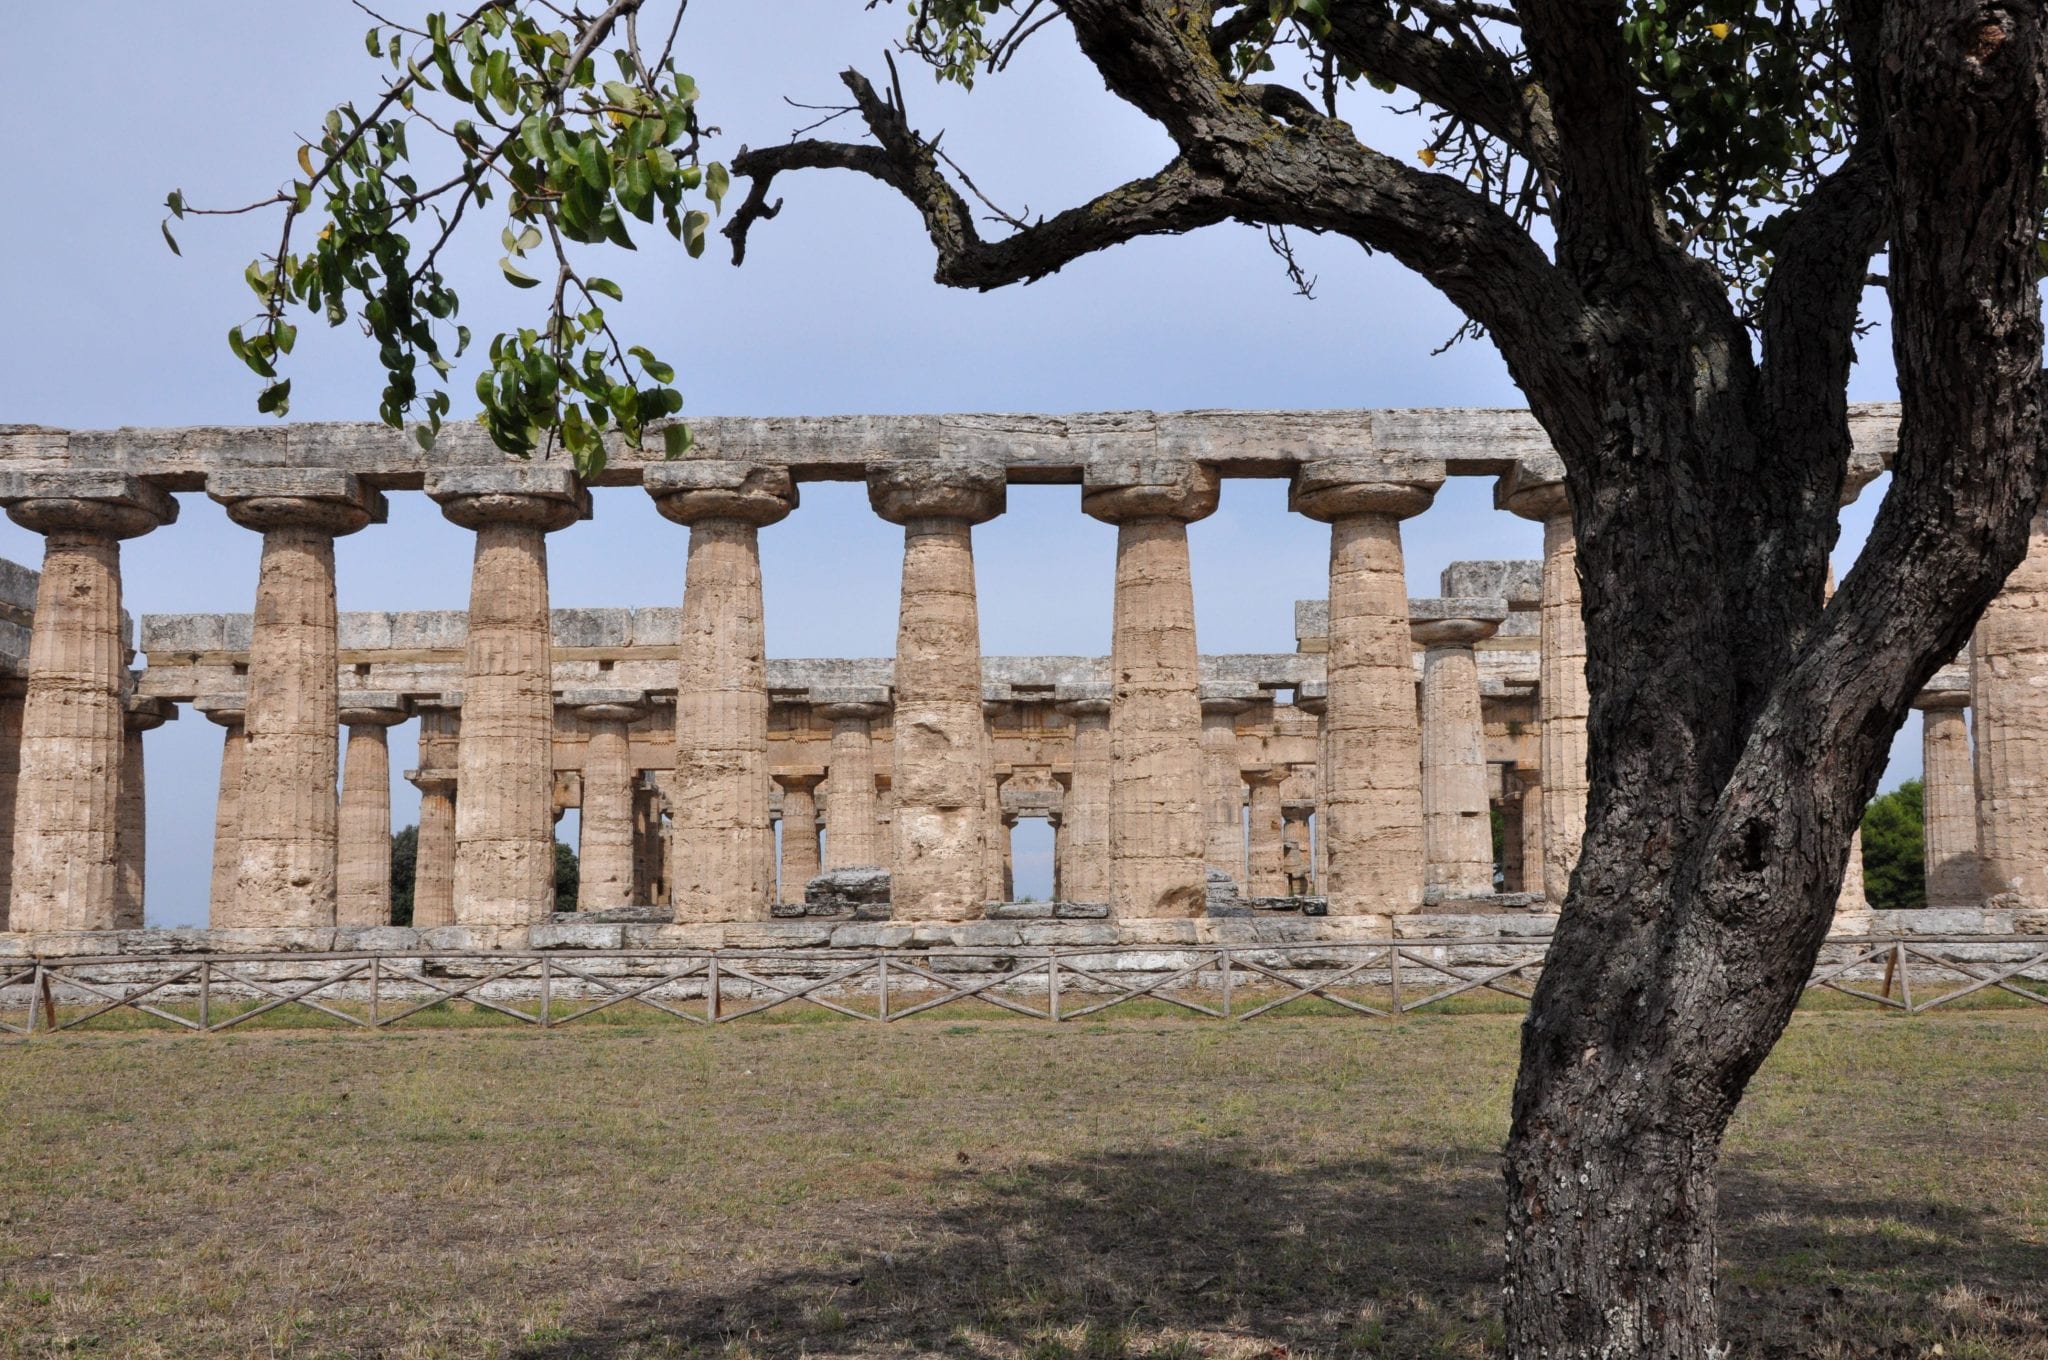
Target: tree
(1895,849)
(568,876)
(1665,217)
(405,851)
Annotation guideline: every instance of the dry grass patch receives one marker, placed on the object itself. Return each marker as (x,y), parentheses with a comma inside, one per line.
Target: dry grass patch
(999,1189)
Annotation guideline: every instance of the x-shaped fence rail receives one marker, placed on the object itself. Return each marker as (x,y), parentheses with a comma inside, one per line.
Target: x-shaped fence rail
(1379,979)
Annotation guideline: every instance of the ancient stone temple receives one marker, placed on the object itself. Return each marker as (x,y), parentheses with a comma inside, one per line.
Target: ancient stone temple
(1411,758)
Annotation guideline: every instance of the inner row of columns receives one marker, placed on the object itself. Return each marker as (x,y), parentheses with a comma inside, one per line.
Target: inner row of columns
(1388,831)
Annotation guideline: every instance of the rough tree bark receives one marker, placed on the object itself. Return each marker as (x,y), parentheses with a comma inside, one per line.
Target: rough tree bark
(1738,722)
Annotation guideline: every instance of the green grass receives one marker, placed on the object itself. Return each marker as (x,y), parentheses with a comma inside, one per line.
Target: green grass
(964,1184)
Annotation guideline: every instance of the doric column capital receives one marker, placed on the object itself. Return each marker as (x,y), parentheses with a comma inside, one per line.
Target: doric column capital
(1332,488)
(111,503)
(1313,697)
(850,703)
(701,489)
(1534,489)
(1264,776)
(1455,622)
(324,499)
(1218,702)
(844,712)
(372,708)
(431,781)
(145,715)
(971,489)
(226,709)
(799,781)
(1948,689)
(1120,490)
(543,495)
(606,705)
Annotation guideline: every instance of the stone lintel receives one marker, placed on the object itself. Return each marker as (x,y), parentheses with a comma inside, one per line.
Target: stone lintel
(1218,696)
(1432,609)
(857,695)
(1519,581)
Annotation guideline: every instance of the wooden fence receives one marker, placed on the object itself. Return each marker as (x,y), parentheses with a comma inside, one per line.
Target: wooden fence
(1374,979)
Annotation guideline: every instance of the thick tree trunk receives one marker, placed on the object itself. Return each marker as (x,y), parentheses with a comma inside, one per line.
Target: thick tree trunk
(1737,728)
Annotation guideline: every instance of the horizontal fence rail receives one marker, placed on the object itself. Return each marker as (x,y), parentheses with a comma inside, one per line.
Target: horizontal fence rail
(1376,979)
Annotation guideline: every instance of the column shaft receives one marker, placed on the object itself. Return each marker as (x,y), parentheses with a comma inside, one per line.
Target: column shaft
(606,851)
(1223,791)
(1457,831)
(2009,703)
(1562,705)
(363,860)
(71,740)
(1084,812)
(131,836)
(1953,870)
(227,828)
(799,835)
(504,820)
(1532,835)
(941,751)
(433,874)
(723,839)
(1266,870)
(1156,830)
(851,834)
(10,773)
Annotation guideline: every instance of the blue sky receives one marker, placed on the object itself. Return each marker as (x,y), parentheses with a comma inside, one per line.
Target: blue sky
(110,104)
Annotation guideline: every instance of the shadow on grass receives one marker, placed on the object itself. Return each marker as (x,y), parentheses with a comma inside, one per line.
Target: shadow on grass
(1187,1253)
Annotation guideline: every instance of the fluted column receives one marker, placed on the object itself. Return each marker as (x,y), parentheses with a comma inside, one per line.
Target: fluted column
(1313,700)
(1266,870)
(1457,833)
(2009,703)
(504,815)
(227,711)
(72,723)
(1156,831)
(1372,822)
(799,832)
(648,857)
(11,692)
(1084,812)
(722,865)
(433,883)
(362,872)
(1532,831)
(941,756)
(291,757)
(605,854)
(1009,857)
(1538,493)
(1949,796)
(1223,787)
(852,835)
(1296,853)
(132,830)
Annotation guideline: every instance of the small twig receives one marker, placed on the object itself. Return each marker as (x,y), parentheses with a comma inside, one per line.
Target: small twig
(1304,283)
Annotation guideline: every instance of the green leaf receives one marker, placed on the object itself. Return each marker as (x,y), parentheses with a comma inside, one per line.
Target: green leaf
(656,369)
(606,287)
(716,182)
(675,440)
(694,223)
(169,239)
(276,398)
(514,277)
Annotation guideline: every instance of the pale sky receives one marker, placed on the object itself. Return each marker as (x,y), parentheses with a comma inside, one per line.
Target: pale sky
(109,104)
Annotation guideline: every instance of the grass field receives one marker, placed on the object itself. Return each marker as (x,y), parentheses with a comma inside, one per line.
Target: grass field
(978,1188)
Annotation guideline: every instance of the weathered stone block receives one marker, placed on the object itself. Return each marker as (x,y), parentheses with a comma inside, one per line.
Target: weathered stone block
(1081,911)
(852,890)
(590,627)
(551,936)
(1019,911)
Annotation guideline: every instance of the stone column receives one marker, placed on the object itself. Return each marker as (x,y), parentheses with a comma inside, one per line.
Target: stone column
(1265,845)
(1296,851)
(362,872)
(995,833)
(1311,699)
(227,711)
(1223,787)
(1371,827)
(938,799)
(852,835)
(1156,831)
(132,829)
(1532,831)
(647,843)
(291,757)
(1954,874)
(433,883)
(1536,491)
(605,856)
(722,865)
(799,832)
(504,815)
(1009,857)
(72,722)
(1457,833)
(11,692)
(2009,708)
(1084,812)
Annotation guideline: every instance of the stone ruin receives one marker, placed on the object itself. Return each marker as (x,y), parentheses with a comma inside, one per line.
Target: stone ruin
(1345,789)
